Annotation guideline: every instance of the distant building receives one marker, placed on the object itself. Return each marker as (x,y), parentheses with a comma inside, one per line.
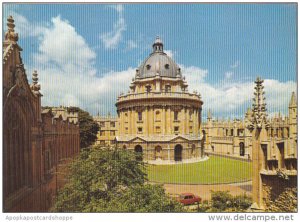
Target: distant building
(35,140)
(274,153)
(227,137)
(108,129)
(158,116)
(233,138)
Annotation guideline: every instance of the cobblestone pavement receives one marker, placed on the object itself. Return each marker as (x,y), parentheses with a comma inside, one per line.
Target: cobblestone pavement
(204,190)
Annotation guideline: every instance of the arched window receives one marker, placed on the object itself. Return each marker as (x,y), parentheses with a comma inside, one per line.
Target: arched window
(148,88)
(157,116)
(158,151)
(178,153)
(138,149)
(242,149)
(140,116)
(167,88)
(176,115)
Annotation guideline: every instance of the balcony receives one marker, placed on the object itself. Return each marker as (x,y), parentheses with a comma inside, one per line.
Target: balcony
(151,95)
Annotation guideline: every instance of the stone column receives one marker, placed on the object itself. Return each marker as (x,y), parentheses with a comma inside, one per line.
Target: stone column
(168,120)
(146,122)
(195,131)
(163,120)
(129,121)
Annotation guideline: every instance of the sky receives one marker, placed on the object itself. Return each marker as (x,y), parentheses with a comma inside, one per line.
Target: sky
(86,54)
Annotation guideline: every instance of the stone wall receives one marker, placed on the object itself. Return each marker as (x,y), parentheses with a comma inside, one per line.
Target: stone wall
(279,195)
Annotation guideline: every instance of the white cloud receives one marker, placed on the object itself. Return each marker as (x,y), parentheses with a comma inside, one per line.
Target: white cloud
(63,47)
(131,45)
(228,75)
(66,67)
(235,64)
(23,27)
(112,39)
(233,98)
(170,53)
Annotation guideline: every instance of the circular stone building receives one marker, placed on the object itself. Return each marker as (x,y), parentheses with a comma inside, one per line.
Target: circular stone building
(158,116)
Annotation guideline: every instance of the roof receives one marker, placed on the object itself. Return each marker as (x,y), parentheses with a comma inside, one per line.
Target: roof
(157,138)
(158,63)
(186,194)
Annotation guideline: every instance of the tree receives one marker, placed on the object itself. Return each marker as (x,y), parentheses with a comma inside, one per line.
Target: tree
(223,201)
(103,180)
(88,128)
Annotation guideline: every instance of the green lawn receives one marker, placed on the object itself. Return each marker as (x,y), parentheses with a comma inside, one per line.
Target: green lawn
(213,171)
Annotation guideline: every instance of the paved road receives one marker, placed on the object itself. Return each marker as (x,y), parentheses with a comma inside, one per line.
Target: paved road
(204,190)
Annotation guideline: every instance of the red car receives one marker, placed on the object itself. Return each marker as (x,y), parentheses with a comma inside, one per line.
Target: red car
(188,198)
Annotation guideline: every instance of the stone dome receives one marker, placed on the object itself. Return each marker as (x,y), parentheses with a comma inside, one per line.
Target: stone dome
(158,63)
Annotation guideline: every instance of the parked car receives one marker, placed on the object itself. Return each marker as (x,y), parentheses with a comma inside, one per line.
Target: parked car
(188,198)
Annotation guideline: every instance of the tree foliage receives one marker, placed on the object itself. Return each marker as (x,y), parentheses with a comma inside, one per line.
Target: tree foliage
(223,201)
(88,128)
(103,180)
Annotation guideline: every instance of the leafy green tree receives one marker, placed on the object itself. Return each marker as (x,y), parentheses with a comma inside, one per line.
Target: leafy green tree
(103,180)
(223,201)
(87,126)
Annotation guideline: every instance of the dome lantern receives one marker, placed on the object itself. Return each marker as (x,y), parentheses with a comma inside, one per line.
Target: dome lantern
(158,45)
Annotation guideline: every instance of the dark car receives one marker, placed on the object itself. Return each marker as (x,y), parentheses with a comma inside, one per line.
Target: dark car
(188,198)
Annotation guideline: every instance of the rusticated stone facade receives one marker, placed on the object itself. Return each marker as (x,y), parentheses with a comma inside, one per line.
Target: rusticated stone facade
(158,116)
(35,141)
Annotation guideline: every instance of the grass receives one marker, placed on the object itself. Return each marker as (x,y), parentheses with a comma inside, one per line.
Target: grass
(216,170)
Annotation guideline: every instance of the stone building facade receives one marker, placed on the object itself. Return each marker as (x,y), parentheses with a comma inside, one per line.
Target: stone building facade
(159,117)
(233,138)
(274,153)
(35,141)
(227,137)
(108,129)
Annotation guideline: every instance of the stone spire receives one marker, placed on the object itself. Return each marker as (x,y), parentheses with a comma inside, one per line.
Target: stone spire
(35,87)
(209,116)
(293,102)
(158,45)
(259,115)
(10,35)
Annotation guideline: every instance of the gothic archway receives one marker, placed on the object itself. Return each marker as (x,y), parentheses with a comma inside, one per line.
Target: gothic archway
(178,153)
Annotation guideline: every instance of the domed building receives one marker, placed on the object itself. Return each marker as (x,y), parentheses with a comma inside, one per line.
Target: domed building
(158,116)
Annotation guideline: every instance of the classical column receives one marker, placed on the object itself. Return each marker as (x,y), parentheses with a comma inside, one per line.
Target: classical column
(151,120)
(182,122)
(134,119)
(129,122)
(122,122)
(195,131)
(147,121)
(168,120)
(163,120)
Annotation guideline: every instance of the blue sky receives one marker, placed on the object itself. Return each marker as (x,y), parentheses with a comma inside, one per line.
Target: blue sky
(87,54)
